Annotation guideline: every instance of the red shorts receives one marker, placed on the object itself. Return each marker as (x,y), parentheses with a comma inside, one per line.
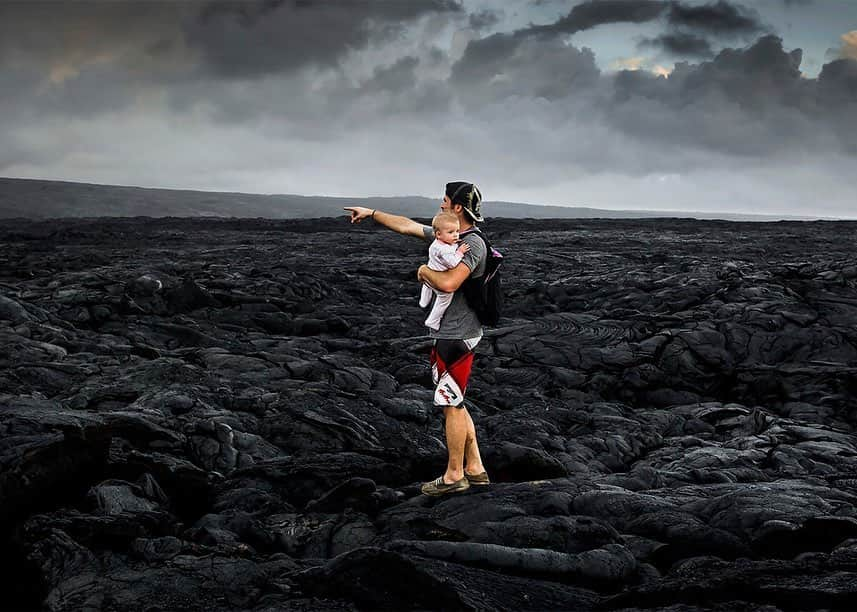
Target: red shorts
(451,362)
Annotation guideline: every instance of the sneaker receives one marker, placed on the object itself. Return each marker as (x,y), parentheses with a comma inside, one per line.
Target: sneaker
(439,487)
(477,479)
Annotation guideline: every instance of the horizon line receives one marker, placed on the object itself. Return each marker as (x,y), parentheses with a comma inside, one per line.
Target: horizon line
(647,211)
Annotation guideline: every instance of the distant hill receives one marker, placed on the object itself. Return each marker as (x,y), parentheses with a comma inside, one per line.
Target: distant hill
(38,199)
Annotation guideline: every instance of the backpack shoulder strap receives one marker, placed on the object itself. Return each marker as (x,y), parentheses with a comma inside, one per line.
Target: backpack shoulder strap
(478,232)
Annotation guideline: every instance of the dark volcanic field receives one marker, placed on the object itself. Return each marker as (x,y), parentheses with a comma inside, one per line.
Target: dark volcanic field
(235,414)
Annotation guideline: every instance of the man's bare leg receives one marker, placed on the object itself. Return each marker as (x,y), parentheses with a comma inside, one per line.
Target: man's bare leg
(456,439)
(472,458)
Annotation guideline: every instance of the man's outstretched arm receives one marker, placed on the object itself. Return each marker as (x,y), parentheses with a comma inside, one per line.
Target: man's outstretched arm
(447,280)
(402,225)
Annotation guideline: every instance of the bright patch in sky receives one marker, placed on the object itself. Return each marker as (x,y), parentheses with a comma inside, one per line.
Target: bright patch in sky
(849,45)
(628,63)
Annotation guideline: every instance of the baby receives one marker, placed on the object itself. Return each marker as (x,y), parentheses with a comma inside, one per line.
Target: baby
(444,254)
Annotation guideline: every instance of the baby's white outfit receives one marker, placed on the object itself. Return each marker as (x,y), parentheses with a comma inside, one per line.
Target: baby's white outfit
(442,256)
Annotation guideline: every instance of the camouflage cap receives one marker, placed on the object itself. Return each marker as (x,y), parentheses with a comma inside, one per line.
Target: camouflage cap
(468,196)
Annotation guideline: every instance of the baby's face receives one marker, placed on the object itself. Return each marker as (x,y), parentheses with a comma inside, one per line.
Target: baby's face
(448,233)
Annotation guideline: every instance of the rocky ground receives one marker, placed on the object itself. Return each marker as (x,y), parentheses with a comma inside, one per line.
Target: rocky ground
(235,414)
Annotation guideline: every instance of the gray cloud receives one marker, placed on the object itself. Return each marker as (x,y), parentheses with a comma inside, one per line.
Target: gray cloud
(750,101)
(66,36)
(837,93)
(239,40)
(489,54)
(526,113)
(398,77)
(838,82)
(680,44)
(689,27)
(85,58)
(501,65)
(720,17)
(484,19)
(746,103)
(599,12)
(162,40)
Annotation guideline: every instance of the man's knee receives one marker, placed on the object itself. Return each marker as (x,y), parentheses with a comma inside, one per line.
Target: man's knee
(454,410)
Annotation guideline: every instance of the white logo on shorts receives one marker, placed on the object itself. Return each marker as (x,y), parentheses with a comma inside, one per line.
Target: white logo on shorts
(447,392)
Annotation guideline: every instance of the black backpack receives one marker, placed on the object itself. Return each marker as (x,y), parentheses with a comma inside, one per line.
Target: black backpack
(484,294)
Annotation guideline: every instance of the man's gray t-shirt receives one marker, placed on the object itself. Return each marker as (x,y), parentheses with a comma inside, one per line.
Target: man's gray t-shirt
(459,321)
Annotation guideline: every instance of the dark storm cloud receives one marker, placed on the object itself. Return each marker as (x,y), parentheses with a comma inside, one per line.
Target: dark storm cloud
(600,12)
(373,103)
(86,58)
(156,39)
(249,40)
(247,13)
(686,22)
(534,68)
(837,84)
(42,31)
(398,77)
(82,58)
(485,57)
(681,44)
(483,20)
(763,75)
(719,18)
(750,101)
(494,56)
(683,21)
(505,65)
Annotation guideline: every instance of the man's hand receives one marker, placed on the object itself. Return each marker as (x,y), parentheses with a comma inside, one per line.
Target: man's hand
(421,275)
(358,213)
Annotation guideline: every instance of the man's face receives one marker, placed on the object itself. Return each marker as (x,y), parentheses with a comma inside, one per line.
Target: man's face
(446,205)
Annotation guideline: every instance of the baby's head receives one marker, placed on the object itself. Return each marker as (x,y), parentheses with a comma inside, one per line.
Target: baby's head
(445,226)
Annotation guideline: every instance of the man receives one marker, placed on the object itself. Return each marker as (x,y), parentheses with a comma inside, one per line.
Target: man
(459,333)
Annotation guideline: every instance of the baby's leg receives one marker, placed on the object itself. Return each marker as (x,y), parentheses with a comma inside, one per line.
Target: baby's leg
(425,295)
(441,303)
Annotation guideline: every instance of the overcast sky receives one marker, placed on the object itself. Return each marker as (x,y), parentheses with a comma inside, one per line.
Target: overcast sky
(746,107)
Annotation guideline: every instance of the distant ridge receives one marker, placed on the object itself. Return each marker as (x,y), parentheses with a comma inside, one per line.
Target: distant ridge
(42,199)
